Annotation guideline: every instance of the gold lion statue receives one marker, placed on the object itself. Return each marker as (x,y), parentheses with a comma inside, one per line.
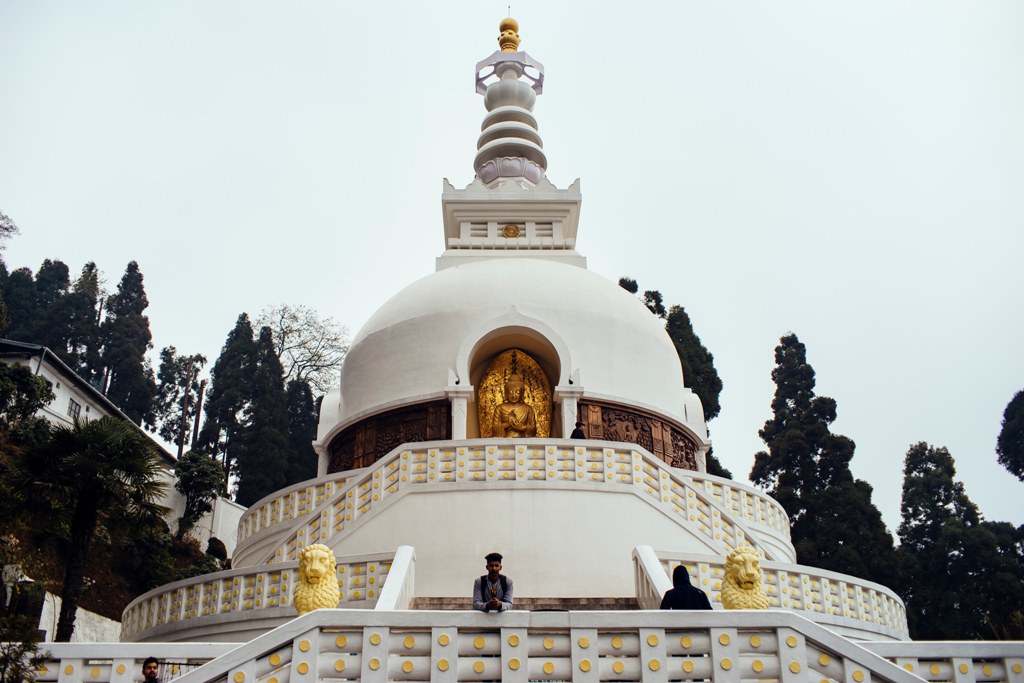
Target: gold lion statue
(743,587)
(318,580)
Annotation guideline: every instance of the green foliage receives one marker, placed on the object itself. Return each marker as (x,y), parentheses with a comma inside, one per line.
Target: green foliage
(699,373)
(1010,443)
(84,343)
(834,524)
(964,578)
(20,658)
(131,385)
(200,480)
(263,449)
(302,425)
(22,394)
(230,392)
(104,465)
(179,385)
(715,467)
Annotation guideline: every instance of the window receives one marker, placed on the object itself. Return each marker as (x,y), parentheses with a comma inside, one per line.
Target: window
(74,408)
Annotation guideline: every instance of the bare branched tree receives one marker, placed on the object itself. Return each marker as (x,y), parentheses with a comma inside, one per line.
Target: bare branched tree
(311,348)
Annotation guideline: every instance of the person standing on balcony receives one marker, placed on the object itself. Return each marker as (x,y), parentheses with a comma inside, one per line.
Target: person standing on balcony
(150,670)
(493,590)
(578,432)
(684,596)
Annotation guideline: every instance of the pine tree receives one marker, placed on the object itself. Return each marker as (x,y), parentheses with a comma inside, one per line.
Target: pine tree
(963,576)
(20,297)
(199,479)
(51,318)
(699,373)
(131,386)
(230,394)
(178,390)
(302,425)
(263,450)
(806,469)
(84,341)
(1010,444)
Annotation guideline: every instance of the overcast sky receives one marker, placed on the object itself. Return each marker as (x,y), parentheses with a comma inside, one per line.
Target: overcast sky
(852,172)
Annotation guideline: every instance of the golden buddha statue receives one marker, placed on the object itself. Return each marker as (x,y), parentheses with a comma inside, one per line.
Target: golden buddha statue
(514,398)
(514,418)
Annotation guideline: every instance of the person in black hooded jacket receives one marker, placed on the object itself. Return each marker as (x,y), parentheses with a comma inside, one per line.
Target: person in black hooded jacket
(684,596)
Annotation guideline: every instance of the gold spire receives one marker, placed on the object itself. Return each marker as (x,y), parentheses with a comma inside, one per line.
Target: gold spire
(508,39)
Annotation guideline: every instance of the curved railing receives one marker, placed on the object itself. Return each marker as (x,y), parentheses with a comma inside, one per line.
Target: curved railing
(291,503)
(265,590)
(826,597)
(645,647)
(721,512)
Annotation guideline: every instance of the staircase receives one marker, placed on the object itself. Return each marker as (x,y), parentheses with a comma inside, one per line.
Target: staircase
(531,604)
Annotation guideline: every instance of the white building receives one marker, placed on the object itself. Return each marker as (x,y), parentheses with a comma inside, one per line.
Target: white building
(448,439)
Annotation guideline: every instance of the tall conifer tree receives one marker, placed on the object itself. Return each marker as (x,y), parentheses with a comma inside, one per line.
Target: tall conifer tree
(84,342)
(264,448)
(964,577)
(230,394)
(1010,443)
(302,424)
(179,387)
(20,296)
(131,385)
(806,469)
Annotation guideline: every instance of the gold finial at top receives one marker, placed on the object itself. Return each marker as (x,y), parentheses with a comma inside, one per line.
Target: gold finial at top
(508,39)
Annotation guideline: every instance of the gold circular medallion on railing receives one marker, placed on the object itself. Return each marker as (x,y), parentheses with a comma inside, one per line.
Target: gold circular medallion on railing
(654,665)
(549,643)
(69,669)
(374,664)
(375,639)
(409,642)
(275,659)
(687,666)
(858,675)
(513,664)
(757,665)
(478,666)
(686,641)
(95,672)
(824,659)
(724,639)
(478,642)
(304,645)
(239,677)
(963,668)
(986,669)
(617,643)
(618,667)
(585,665)
(341,641)
(1017,668)
(794,667)
(909,667)
(584,642)
(303,668)
(755,641)
(407,666)
(120,668)
(652,640)
(791,641)
(339,665)
(442,665)
(443,639)
(934,669)
(272,679)
(513,640)
(726,663)
(548,668)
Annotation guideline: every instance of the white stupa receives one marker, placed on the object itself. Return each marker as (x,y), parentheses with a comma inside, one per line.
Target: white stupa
(448,437)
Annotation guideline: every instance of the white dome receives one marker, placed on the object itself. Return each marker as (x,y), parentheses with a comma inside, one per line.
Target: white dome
(437,330)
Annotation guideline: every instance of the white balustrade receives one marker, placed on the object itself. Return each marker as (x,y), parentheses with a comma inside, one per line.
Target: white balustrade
(722,512)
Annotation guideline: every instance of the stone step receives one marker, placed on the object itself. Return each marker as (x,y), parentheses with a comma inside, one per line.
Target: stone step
(583,604)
